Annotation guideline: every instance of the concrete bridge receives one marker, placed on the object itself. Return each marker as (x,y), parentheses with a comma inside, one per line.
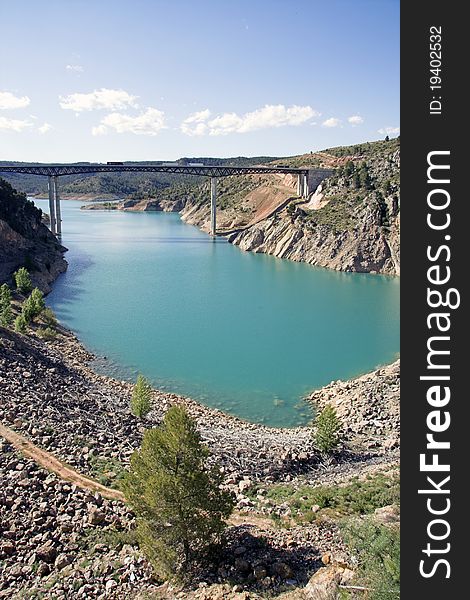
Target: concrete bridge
(307,179)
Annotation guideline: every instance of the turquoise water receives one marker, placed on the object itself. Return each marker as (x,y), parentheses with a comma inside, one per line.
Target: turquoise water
(247,333)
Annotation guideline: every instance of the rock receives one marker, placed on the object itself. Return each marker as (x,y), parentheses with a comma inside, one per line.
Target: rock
(43,570)
(242,565)
(347,576)
(326,558)
(47,552)
(283,570)
(387,514)
(260,572)
(96,516)
(111,584)
(7,549)
(244,485)
(324,583)
(62,561)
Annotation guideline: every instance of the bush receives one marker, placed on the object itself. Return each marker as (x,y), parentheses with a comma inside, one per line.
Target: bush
(141,397)
(176,497)
(6,316)
(33,305)
(328,426)
(49,318)
(21,324)
(377,551)
(47,333)
(38,299)
(23,281)
(358,497)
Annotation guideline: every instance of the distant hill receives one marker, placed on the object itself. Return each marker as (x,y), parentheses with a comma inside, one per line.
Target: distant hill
(122,184)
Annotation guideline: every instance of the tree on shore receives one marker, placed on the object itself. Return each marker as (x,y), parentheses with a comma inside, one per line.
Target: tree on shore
(141,397)
(21,325)
(38,299)
(177,498)
(33,305)
(327,433)
(6,315)
(23,281)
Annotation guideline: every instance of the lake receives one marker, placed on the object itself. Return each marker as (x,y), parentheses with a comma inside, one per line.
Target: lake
(246,333)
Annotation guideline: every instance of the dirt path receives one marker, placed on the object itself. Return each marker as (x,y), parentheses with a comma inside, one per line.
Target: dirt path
(51,463)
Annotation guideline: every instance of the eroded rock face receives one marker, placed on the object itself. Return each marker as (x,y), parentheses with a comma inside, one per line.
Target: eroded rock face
(346,225)
(364,246)
(26,241)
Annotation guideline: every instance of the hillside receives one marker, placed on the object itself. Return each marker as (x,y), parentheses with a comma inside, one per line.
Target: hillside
(26,241)
(350,223)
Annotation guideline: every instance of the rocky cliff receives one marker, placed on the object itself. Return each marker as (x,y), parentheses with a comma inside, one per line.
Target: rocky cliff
(26,241)
(351,222)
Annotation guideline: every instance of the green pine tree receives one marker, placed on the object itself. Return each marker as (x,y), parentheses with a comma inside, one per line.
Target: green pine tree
(141,397)
(23,281)
(6,315)
(37,297)
(177,498)
(21,324)
(327,434)
(33,305)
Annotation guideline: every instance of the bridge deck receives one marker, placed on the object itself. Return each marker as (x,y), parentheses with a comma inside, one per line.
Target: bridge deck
(210,171)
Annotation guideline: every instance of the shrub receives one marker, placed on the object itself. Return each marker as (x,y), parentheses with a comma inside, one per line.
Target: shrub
(141,397)
(47,333)
(33,305)
(38,299)
(6,316)
(23,281)
(21,324)
(377,551)
(177,498)
(49,317)
(328,425)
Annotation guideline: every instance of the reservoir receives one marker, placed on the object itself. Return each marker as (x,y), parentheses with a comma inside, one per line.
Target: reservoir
(247,333)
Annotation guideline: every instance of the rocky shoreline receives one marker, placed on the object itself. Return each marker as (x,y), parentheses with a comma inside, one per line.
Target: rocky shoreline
(50,394)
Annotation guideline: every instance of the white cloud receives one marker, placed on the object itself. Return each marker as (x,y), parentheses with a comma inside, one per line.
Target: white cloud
(14,124)
(74,68)
(389,130)
(355,120)
(99,99)
(331,122)
(9,100)
(150,122)
(45,128)
(196,124)
(262,118)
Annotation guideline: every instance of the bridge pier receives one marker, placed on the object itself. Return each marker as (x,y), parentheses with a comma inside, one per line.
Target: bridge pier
(302,185)
(58,219)
(54,206)
(50,184)
(213,206)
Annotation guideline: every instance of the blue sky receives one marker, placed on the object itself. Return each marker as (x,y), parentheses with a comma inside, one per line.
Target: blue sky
(157,79)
